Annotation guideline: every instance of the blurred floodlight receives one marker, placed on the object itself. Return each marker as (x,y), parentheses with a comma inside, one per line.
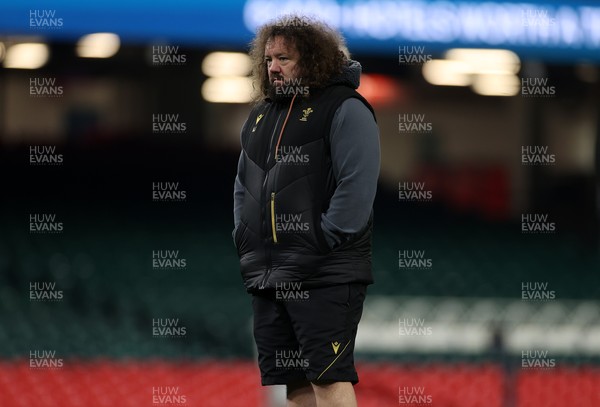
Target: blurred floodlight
(98,45)
(2,51)
(483,61)
(447,73)
(26,56)
(218,64)
(501,84)
(227,90)
(490,72)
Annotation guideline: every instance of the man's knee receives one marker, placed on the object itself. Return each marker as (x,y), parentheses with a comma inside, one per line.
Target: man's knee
(335,394)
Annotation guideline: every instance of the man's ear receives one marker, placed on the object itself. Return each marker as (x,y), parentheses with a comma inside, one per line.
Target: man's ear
(345,52)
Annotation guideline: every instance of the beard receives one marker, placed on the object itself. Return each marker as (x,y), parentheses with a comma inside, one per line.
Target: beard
(278,93)
(284,92)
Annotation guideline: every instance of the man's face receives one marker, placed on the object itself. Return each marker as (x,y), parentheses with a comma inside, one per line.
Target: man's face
(281,60)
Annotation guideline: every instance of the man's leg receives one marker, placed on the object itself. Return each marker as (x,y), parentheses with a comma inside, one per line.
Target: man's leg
(301,394)
(325,326)
(275,341)
(338,394)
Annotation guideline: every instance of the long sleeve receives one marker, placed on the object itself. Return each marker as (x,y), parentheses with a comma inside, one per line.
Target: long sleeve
(355,154)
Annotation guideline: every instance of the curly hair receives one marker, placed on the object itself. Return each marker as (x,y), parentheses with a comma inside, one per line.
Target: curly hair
(323,52)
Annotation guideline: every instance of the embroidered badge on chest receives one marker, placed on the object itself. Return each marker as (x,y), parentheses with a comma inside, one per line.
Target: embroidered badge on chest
(305,113)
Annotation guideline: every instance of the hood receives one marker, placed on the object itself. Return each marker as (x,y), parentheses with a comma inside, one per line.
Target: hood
(350,75)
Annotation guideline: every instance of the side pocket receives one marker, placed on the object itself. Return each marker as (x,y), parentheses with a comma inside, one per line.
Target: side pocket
(323,246)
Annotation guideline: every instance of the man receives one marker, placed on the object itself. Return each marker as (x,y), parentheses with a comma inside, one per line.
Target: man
(303,198)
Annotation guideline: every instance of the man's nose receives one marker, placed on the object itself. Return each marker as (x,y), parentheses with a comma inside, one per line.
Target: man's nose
(275,67)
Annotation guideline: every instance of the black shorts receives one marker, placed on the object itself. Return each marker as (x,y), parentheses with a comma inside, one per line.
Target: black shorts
(307,334)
